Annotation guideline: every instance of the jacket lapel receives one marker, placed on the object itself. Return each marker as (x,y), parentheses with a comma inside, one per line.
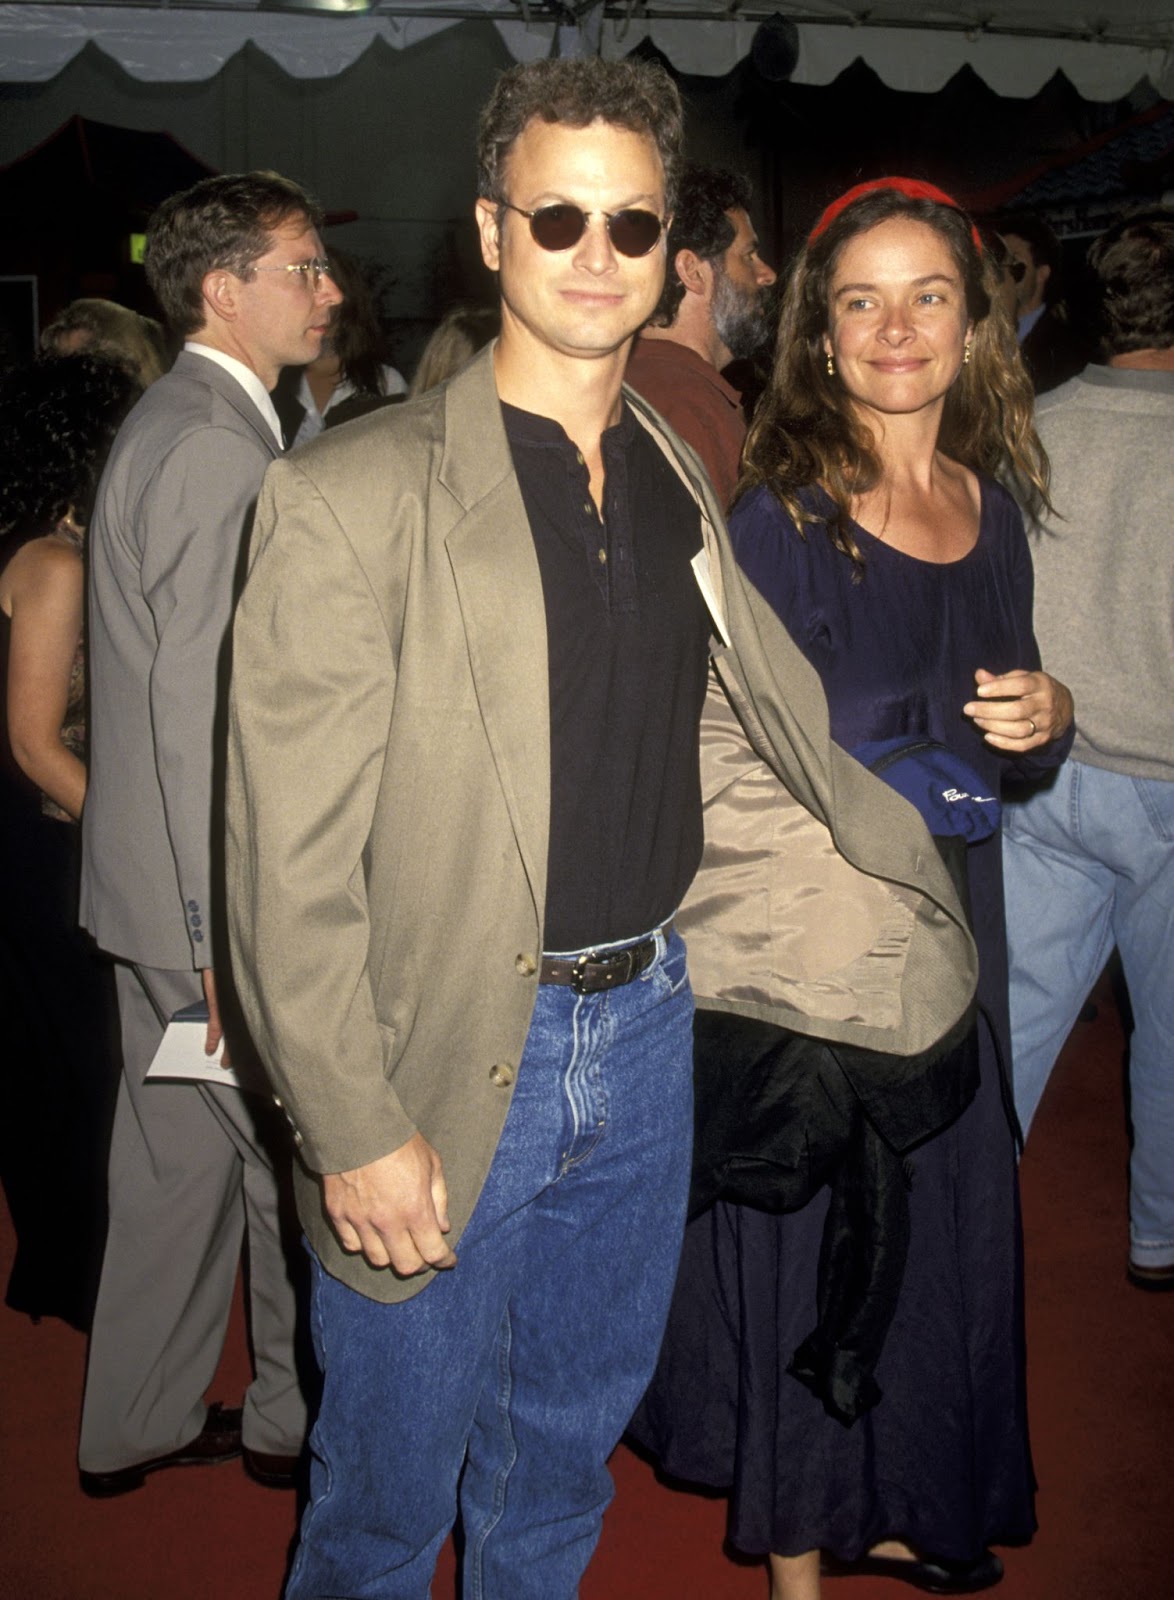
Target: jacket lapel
(499,588)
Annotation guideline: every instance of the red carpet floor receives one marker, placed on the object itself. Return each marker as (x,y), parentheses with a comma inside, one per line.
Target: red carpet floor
(1102,1396)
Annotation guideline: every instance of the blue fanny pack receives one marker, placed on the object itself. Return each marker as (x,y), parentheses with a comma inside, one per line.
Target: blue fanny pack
(948,793)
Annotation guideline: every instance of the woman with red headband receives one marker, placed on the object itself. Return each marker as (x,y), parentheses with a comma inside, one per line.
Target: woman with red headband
(873,519)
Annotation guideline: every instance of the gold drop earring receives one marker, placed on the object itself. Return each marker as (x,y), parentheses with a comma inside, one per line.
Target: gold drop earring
(832,365)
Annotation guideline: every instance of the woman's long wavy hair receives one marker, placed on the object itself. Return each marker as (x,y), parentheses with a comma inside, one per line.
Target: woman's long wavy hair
(58,418)
(806,432)
(360,341)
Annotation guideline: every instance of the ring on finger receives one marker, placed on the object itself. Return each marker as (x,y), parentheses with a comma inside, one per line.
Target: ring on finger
(1034,729)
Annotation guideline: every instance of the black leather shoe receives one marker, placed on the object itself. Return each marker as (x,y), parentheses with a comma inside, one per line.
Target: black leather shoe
(932,1573)
(275,1472)
(1155,1279)
(219,1440)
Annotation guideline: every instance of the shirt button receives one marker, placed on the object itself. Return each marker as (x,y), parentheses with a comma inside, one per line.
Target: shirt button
(579,457)
(526,965)
(501,1076)
(603,555)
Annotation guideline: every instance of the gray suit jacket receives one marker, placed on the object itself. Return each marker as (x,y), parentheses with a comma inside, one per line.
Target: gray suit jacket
(389,797)
(165,548)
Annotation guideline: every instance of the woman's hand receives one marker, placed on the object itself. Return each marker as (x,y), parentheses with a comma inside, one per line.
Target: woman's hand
(1019,711)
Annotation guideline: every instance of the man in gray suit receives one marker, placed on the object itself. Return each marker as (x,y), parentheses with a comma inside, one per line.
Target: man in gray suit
(464,803)
(237,265)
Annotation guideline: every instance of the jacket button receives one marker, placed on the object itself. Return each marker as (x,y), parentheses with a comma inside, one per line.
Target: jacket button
(526,965)
(197,936)
(501,1076)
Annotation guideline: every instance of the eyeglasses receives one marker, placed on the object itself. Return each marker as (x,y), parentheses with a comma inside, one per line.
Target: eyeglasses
(1016,270)
(311,272)
(559,227)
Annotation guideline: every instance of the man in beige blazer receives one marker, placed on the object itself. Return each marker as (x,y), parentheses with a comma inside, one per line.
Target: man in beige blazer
(236,264)
(471,664)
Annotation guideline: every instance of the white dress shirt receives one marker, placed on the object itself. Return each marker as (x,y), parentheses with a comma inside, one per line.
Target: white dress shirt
(248,381)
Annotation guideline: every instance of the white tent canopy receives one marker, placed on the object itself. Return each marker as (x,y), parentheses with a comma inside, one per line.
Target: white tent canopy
(1104,47)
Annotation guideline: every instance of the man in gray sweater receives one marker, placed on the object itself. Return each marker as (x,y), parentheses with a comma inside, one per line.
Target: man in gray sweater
(1089,861)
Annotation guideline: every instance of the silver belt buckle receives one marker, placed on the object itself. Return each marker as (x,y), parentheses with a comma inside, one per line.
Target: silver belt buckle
(579,971)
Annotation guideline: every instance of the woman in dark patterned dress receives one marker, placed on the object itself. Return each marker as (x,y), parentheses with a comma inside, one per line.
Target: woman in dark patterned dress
(58,418)
(871,519)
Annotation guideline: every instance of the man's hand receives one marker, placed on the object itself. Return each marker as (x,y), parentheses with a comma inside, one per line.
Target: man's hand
(215,1031)
(394,1210)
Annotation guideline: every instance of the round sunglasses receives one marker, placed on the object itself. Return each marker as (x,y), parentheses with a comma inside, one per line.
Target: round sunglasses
(559,227)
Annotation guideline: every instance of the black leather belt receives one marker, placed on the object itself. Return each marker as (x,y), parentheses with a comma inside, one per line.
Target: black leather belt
(593,972)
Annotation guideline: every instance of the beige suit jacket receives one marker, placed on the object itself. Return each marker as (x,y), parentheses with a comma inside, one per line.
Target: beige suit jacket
(389,795)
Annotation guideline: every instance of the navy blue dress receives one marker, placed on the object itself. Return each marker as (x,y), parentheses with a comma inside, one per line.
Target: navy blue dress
(943,1459)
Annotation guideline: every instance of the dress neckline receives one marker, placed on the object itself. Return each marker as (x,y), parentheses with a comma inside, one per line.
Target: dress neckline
(876,541)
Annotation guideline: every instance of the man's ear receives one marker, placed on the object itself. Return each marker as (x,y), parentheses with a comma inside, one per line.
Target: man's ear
(489,227)
(221,294)
(1042,274)
(694,273)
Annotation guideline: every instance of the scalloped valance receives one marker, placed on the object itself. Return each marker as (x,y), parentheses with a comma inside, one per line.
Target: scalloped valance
(1015,46)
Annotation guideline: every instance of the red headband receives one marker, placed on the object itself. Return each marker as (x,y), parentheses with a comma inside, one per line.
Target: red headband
(913,187)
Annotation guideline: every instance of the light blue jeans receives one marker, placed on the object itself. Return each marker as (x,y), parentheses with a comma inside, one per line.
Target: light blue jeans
(1089,862)
(506,1382)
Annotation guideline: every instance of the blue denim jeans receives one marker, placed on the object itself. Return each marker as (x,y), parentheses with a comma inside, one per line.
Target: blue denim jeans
(1089,863)
(508,1381)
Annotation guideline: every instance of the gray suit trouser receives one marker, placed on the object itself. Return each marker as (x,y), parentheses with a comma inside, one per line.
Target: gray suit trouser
(188,1177)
